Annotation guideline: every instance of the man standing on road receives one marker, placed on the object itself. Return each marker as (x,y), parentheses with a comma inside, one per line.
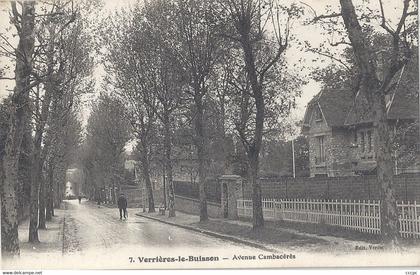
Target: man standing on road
(122,206)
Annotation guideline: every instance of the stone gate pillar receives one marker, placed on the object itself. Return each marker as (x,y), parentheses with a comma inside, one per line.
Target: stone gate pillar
(231,186)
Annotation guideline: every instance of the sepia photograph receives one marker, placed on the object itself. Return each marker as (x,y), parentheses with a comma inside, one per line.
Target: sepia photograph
(209,134)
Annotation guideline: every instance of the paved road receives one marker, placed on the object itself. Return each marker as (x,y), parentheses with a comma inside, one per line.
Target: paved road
(90,228)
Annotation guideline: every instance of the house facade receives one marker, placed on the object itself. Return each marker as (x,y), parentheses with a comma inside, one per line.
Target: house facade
(339,128)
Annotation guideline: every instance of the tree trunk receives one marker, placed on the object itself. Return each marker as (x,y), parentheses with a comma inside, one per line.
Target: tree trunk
(146,175)
(57,194)
(58,179)
(37,205)
(52,207)
(113,192)
(257,217)
(50,184)
(42,198)
(224,139)
(257,213)
(33,207)
(168,166)
(389,211)
(9,219)
(36,172)
(201,154)
(24,172)
(42,191)
(18,113)
(46,182)
(255,147)
(375,94)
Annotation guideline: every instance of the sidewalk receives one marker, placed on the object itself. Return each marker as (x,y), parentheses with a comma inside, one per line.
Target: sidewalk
(271,238)
(48,249)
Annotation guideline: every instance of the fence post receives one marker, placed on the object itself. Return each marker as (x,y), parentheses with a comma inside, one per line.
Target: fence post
(379,209)
(274,209)
(416,222)
(341,212)
(282,209)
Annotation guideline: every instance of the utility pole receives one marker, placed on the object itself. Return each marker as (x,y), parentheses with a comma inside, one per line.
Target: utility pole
(418,140)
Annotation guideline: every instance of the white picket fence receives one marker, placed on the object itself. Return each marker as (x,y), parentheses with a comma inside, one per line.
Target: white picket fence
(362,216)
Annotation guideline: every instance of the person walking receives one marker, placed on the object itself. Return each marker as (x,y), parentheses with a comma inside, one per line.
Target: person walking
(122,206)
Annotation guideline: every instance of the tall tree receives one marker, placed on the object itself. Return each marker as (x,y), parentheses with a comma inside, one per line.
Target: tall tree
(133,76)
(24,22)
(376,81)
(160,73)
(63,47)
(108,132)
(248,29)
(197,42)
(143,122)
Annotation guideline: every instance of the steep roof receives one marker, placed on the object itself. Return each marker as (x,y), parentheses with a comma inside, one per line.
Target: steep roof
(402,101)
(343,107)
(405,100)
(334,105)
(405,105)
(359,111)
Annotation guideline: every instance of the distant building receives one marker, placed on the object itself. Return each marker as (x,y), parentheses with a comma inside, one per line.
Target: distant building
(129,164)
(70,190)
(74,182)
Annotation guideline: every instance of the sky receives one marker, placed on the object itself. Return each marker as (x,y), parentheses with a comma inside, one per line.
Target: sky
(294,55)
(310,33)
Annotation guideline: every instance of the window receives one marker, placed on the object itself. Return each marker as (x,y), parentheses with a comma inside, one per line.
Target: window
(320,157)
(369,140)
(362,142)
(318,115)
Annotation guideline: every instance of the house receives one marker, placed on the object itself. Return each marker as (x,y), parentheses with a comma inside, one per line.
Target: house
(338,124)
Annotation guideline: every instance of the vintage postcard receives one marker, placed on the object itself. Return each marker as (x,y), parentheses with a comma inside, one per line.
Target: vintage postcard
(183,134)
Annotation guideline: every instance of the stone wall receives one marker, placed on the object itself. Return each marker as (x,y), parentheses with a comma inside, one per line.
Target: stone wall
(183,204)
(135,198)
(191,190)
(191,206)
(338,154)
(407,187)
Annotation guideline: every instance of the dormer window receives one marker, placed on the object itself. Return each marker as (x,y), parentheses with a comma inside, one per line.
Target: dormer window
(318,115)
